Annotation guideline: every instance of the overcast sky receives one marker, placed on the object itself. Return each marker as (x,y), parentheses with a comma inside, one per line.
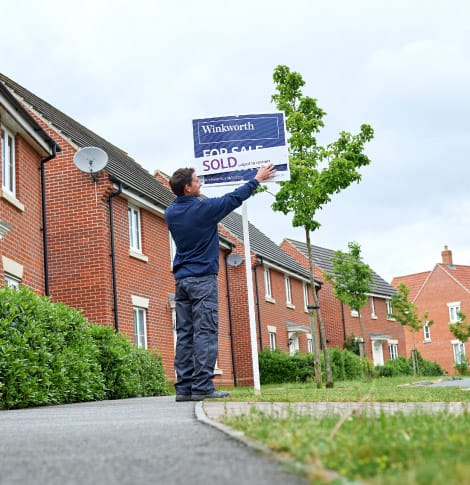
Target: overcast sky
(137,73)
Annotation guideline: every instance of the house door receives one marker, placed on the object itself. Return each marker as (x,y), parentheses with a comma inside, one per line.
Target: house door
(377,352)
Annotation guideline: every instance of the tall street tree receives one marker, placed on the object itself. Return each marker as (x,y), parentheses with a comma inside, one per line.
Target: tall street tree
(352,281)
(316,173)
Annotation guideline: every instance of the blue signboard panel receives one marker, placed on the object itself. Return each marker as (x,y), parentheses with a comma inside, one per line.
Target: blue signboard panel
(230,149)
(235,133)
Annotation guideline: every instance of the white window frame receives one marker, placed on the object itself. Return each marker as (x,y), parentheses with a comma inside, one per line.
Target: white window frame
(135,228)
(12,281)
(288,286)
(172,249)
(354,313)
(427,332)
(458,349)
(373,315)
(140,326)
(8,162)
(393,350)
(305,292)
(272,341)
(454,308)
(388,304)
(267,283)
(309,343)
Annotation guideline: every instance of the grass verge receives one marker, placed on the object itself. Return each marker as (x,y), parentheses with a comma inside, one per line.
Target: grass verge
(385,449)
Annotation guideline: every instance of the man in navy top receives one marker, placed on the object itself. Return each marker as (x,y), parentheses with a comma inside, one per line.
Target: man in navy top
(193,225)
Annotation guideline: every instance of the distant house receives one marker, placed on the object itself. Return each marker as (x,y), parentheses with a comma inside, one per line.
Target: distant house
(442,292)
(25,149)
(384,338)
(109,252)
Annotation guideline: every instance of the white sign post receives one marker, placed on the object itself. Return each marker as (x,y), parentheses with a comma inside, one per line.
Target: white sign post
(229,150)
(251,300)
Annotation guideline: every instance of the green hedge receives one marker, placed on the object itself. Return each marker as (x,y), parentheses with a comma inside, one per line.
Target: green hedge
(277,367)
(404,367)
(50,354)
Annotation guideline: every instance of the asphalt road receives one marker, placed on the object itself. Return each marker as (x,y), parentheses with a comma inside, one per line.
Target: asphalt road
(131,441)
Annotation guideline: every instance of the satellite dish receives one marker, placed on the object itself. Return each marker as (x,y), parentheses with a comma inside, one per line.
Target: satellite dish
(90,160)
(234,259)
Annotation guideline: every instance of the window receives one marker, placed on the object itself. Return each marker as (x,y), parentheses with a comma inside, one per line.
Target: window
(454,309)
(134,228)
(267,282)
(427,332)
(459,352)
(8,161)
(12,281)
(272,340)
(305,289)
(393,351)
(288,290)
(354,312)
(309,344)
(372,308)
(272,337)
(172,250)
(140,327)
(389,308)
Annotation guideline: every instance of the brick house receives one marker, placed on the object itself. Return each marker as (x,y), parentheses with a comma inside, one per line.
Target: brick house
(384,337)
(25,148)
(441,292)
(109,253)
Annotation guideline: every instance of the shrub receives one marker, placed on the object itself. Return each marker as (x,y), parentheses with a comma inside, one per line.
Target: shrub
(46,355)
(395,367)
(127,370)
(276,367)
(50,354)
(428,367)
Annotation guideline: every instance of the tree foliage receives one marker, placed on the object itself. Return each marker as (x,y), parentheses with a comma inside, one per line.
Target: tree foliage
(352,279)
(461,329)
(316,173)
(405,311)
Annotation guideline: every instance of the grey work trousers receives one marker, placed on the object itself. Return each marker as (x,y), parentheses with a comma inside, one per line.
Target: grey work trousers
(197,323)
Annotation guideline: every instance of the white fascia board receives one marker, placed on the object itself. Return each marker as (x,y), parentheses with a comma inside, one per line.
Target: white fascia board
(141,202)
(23,125)
(282,270)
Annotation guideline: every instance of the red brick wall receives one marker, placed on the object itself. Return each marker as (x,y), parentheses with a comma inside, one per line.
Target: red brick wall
(330,308)
(23,243)
(439,290)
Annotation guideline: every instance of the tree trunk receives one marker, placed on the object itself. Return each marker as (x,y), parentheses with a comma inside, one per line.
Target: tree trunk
(366,373)
(329,378)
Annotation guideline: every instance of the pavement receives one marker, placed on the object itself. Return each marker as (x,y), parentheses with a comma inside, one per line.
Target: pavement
(151,440)
(156,440)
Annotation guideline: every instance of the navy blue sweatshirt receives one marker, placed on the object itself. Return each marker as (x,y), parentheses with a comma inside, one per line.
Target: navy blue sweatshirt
(193,225)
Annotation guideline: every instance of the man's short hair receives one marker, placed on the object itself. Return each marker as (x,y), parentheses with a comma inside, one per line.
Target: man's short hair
(181,178)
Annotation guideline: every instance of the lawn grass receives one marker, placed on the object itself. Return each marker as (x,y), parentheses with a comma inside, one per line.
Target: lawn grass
(397,449)
(386,449)
(385,389)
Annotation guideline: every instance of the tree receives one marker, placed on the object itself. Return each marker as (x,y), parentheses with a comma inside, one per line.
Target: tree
(405,312)
(352,280)
(316,173)
(461,331)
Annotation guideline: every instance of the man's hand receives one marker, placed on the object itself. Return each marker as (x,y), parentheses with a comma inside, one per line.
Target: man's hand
(265,172)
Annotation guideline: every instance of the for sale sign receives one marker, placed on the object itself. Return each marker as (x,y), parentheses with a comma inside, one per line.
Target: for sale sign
(230,149)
